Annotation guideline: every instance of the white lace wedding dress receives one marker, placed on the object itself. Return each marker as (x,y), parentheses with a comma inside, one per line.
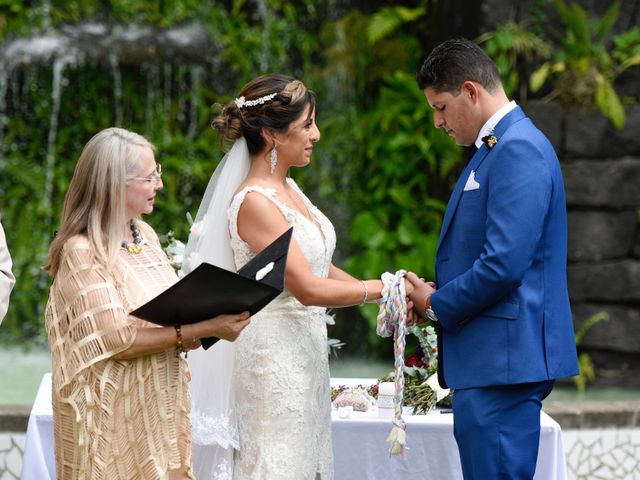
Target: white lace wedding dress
(281,373)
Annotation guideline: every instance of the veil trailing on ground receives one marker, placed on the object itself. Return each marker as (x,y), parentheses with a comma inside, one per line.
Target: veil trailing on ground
(215,433)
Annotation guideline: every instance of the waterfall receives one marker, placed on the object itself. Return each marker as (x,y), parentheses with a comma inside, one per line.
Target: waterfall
(117,88)
(166,100)
(182,88)
(152,85)
(263,13)
(39,76)
(46,15)
(194,118)
(3,114)
(58,74)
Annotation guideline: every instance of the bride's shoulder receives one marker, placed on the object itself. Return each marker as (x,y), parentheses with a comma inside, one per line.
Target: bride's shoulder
(254,196)
(249,186)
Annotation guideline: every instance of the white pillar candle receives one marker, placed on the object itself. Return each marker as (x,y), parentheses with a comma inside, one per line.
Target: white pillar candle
(386,388)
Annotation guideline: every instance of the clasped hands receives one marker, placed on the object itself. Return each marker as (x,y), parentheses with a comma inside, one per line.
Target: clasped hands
(417,290)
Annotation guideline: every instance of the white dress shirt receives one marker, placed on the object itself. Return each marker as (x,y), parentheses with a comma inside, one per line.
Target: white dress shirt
(487,128)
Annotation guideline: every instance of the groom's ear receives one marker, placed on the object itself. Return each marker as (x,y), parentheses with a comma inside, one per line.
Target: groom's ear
(471,90)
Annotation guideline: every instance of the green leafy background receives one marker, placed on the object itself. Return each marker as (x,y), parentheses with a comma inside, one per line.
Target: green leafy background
(381,171)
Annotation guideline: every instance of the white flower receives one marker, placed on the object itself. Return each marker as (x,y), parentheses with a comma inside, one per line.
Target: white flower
(440,392)
(197,229)
(240,102)
(175,248)
(193,260)
(176,261)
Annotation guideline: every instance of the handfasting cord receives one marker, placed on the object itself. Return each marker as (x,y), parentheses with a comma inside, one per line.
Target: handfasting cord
(392,319)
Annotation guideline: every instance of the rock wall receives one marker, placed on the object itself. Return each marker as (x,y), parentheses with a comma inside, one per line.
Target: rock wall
(601,168)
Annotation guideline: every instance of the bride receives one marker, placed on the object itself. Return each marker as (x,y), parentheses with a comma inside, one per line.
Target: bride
(268,396)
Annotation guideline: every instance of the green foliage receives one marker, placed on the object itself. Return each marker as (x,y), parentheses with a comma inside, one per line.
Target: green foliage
(87,107)
(584,67)
(379,135)
(396,221)
(374,173)
(512,47)
(164,13)
(389,19)
(587,370)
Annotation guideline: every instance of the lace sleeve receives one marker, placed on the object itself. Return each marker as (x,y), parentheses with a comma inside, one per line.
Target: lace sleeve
(86,318)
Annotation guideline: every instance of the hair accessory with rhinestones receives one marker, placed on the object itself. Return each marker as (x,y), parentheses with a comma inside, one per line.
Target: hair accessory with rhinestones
(243,102)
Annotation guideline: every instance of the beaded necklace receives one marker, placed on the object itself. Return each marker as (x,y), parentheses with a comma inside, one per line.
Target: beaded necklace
(136,246)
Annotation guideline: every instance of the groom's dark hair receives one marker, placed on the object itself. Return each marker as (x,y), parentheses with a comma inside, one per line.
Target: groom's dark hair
(454,62)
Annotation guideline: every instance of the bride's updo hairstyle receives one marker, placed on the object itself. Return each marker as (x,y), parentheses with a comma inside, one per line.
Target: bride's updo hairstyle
(271,102)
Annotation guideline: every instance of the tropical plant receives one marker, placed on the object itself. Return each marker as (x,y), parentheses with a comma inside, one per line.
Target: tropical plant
(584,67)
(397,218)
(375,123)
(171,102)
(387,20)
(513,48)
(587,370)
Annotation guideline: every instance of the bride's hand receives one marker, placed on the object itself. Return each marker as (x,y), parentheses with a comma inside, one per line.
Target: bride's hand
(413,318)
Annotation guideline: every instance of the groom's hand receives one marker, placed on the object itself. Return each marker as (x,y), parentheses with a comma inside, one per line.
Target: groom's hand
(421,290)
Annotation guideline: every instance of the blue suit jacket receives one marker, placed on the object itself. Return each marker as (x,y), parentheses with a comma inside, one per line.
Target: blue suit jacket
(502,299)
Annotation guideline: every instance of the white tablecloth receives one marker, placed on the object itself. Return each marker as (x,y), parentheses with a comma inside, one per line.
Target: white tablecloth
(360,450)
(359,445)
(39,462)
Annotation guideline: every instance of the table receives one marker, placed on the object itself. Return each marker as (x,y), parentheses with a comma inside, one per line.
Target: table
(359,444)
(360,450)
(39,461)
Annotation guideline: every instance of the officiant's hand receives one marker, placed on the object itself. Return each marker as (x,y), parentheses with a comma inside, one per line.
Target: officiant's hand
(421,290)
(227,327)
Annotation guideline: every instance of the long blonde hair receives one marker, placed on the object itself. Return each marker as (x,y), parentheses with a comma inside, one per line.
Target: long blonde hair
(95,201)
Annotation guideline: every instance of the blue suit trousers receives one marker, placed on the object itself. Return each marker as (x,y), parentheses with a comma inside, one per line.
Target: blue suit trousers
(498,430)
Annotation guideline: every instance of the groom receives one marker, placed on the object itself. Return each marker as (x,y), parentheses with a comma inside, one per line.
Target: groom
(501,304)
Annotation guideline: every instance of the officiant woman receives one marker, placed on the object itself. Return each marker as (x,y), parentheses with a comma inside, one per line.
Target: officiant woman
(121,406)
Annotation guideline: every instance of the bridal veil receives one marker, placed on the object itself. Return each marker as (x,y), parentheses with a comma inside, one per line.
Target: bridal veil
(215,432)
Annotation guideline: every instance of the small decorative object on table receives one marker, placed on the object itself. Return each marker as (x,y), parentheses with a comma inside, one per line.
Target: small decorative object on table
(357,398)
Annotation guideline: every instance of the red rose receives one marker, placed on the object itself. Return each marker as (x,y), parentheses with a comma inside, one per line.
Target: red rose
(413,361)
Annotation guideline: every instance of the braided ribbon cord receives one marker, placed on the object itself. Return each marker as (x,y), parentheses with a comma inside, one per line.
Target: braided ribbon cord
(392,319)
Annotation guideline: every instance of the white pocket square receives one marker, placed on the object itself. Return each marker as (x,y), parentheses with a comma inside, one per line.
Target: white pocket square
(471,182)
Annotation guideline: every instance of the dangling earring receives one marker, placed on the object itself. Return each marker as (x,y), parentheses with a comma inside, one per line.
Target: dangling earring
(274,160)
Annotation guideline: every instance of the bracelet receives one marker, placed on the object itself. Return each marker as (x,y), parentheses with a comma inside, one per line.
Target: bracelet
(366,292)
(179,345)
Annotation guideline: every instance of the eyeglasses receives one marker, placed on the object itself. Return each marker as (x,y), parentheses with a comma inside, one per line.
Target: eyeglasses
(155,178)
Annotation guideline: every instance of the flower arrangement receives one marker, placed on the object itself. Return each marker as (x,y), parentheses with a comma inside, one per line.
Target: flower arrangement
(421,389)
(333,344)
(174,250)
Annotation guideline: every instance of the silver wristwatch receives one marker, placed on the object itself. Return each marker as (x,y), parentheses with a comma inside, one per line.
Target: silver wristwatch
(429,314)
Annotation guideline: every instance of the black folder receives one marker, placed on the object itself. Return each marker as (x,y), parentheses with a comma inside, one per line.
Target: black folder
(209,290)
